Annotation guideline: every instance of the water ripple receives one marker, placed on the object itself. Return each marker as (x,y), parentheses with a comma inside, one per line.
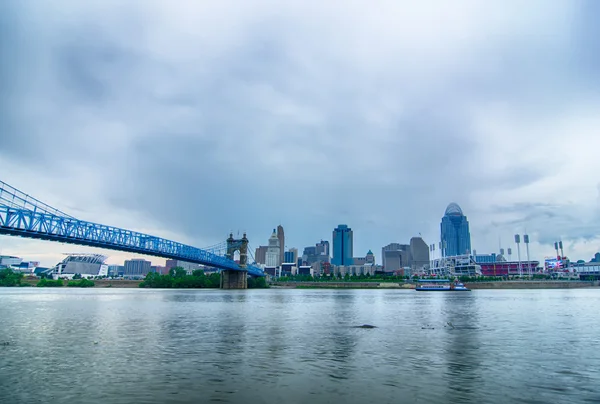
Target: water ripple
(296,346)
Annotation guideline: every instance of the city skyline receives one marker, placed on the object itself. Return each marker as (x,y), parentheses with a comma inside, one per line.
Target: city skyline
(324,101)
(116,257)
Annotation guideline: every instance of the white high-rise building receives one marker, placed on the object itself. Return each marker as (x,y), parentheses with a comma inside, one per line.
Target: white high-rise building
(273,251)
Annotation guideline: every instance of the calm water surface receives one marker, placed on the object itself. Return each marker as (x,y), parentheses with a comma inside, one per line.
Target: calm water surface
(298,346)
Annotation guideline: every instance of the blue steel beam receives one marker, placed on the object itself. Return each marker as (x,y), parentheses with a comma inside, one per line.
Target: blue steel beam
(46,225)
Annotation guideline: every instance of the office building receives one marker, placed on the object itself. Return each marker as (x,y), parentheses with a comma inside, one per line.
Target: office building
(395,256)
(260,254)
(368,259)
(342,245)
(273,251)
(419,253)
(291,256)
(116,270)
(188,266)
(455,236)
(281,238)
(323,248)
(136,268)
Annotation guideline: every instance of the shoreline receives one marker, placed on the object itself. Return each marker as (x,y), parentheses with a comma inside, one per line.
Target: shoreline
(547,284)
(470,285)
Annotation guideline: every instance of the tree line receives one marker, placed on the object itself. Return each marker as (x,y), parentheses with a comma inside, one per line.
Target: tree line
(178,278)
(10,278)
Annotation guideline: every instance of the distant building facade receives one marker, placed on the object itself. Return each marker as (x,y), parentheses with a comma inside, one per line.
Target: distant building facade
(116,270)
(455,235)
(419,253)
(136,267)
(355,270)
(260,254)
(395,256)
(367,259)
(323,248)
(316,253)
(189,267)
(291,256)
(342,241)
(281,238)
(273,251)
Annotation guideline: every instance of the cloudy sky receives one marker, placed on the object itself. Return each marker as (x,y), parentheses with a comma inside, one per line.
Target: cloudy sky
(188,120)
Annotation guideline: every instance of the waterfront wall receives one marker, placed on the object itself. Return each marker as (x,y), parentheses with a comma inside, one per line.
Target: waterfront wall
(531,285)
(121,283)
(470,285)
(341,285)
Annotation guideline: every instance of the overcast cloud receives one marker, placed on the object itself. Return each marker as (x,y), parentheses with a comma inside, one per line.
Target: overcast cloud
(192,119)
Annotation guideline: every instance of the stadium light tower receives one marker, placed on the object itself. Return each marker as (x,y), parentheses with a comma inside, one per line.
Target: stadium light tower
(518,242)
(526,241)
(562,252)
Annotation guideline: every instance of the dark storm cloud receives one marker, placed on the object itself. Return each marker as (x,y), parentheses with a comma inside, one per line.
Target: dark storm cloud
(306,117)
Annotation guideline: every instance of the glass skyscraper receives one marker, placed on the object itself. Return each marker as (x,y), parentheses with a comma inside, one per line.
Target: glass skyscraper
(342,245)
(455,236)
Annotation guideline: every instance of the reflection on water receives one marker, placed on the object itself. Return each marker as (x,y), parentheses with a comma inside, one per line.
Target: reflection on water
(296,346)
(462,350)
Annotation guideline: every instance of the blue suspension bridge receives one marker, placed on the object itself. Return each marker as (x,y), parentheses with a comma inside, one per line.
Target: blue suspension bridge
(24,216)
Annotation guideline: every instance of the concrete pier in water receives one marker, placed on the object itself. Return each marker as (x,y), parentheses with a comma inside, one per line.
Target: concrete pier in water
(234,279)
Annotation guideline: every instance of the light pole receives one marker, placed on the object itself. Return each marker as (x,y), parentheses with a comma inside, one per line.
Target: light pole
(526,241)
(518,241)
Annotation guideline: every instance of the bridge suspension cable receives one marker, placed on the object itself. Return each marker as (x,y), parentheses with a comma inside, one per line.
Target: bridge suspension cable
(13,198)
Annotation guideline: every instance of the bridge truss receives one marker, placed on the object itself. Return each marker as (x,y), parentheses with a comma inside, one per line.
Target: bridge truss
(24,216)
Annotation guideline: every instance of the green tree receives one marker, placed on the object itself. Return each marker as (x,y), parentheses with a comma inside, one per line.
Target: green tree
(49,283)
(10,278)
(177,272)
(81,283)
(256,283)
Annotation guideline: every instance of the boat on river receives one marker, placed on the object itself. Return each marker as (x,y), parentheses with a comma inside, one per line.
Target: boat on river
(440,285)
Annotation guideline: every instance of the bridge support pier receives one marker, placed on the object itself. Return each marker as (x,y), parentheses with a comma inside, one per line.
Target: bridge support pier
(231,279)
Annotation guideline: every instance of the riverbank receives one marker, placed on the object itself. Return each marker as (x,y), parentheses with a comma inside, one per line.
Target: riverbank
(547,284)
(532,284)
(341,285)
(99,283)
(550,284)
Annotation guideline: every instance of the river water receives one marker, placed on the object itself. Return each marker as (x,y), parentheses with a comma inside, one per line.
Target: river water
(298,346)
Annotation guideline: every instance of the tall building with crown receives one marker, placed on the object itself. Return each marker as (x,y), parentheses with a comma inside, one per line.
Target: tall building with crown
(273,251)
(455,235)
(342,245)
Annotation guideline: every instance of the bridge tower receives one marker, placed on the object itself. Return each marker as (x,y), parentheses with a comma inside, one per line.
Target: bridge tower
(236,279)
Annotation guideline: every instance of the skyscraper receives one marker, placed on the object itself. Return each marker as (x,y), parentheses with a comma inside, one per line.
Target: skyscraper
(323,247)
(281,238)
(419,253)
(261,254)
(342,245)
(290,256)
(395,256)
(273,251)
(455,236)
